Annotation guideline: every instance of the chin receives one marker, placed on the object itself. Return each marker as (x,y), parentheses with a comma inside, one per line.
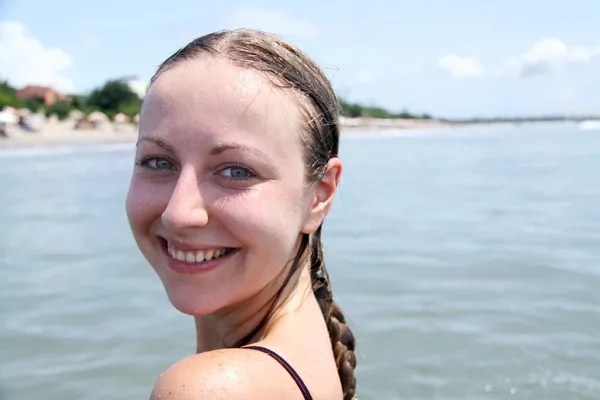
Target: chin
(195,295)
(193,300)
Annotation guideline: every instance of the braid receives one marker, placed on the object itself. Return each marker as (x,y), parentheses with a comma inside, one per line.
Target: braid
(342,339)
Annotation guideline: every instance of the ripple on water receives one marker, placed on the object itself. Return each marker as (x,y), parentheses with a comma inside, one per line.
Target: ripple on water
(465,261)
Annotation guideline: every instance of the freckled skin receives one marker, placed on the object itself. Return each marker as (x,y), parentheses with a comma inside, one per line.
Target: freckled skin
(195,108)
(262,217)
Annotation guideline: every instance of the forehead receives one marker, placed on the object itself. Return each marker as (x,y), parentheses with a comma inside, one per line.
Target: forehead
(211,99)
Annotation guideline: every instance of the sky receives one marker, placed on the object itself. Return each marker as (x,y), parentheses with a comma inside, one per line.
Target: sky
(453,59)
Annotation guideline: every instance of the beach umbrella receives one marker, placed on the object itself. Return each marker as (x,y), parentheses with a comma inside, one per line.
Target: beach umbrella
(76,115)
(121,118)
(8,117)
(97,116)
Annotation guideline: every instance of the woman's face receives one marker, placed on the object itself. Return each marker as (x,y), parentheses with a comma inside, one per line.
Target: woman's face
(218,197)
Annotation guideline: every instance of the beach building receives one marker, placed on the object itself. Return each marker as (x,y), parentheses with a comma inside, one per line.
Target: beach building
(48,95)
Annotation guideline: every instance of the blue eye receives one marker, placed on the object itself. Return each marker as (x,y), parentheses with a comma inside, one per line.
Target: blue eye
(237,173)
(157,163)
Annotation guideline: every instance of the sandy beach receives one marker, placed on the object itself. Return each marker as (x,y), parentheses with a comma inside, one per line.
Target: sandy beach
(63,133)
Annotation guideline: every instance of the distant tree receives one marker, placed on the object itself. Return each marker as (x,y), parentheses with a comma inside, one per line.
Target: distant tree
(34,105)
(130,109)
(61,110)
(78,101)
(350,110)
(354,110)
(8,96)
(115,97)
(405,114)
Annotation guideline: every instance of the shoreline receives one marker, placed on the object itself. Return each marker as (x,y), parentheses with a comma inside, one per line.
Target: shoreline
(43,141)
(62,133)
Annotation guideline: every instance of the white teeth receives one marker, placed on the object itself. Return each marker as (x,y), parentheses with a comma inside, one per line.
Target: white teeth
(194,257)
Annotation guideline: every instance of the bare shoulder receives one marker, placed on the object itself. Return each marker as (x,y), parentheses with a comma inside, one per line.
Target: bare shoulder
(225,374)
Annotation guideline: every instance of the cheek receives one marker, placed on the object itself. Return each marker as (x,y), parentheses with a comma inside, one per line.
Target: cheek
(268,220)
(143,206)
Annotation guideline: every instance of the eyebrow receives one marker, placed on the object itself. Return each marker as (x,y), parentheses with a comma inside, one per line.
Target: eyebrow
(222,147)
(157,141)
(218,149)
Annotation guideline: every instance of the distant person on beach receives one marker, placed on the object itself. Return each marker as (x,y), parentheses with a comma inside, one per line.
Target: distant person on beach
(236,168)
(23,124)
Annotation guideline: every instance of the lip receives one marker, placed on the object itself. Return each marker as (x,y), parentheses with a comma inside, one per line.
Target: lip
(183,267)
(187,246)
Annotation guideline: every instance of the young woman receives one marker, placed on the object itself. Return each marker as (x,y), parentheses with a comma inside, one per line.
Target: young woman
(236,169)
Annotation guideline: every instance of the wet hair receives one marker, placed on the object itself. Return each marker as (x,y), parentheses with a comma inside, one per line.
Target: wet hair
(288,68)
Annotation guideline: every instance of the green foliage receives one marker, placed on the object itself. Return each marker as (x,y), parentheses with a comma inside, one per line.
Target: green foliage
(350,110)
(5,99)
(8,96)
(87,110)
(34,105)
(110,114)
(115,97)
(355,110)
(377,112)
(61,110)
(78,102)
(130,109)
(112,98)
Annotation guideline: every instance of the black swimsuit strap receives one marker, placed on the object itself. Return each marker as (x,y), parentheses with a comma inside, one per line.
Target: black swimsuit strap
(287,367)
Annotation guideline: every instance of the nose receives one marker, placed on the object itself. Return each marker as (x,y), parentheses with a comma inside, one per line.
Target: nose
(186,208)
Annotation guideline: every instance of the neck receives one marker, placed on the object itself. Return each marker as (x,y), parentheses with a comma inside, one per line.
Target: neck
(227,327)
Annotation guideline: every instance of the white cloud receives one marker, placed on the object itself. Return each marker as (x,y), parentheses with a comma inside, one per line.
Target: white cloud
(274,21)
(462,67)
(547,56)
(25,60)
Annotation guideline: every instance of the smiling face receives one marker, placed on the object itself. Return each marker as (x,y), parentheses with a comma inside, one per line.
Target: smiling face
(219,173)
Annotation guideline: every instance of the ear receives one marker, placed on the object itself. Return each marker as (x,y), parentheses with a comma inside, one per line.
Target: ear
(323,195)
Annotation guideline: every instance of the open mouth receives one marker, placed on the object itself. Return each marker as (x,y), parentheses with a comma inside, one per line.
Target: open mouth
(194,256)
